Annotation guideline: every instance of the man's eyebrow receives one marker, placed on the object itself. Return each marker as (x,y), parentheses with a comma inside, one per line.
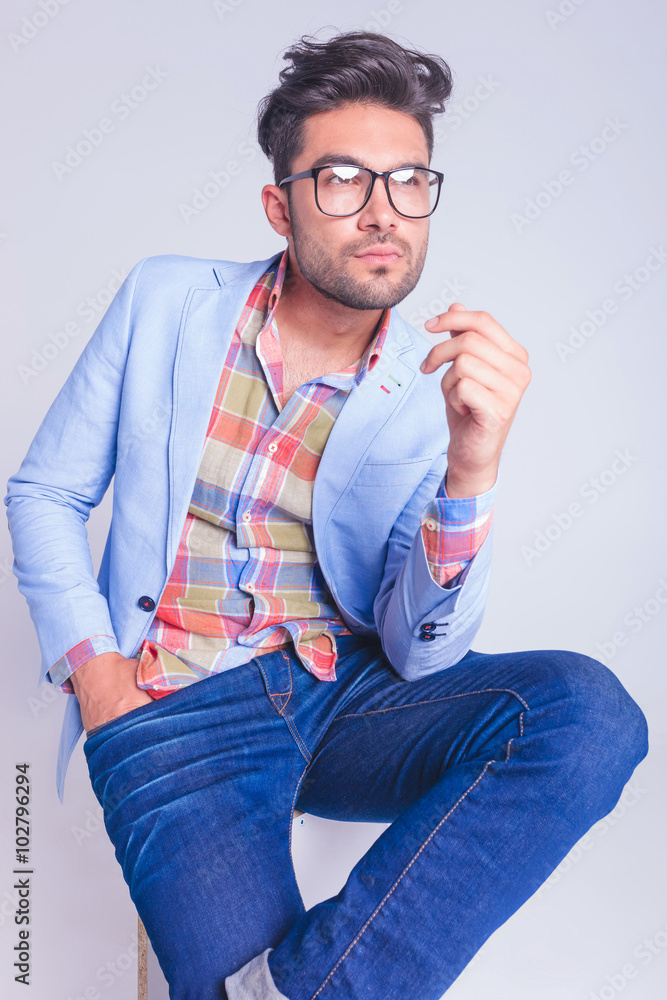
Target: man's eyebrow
(356,161)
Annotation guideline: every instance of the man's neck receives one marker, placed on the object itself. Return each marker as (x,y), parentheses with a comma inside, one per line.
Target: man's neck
(319,326)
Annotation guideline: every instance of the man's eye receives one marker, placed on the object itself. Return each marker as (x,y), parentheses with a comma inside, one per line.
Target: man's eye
(343,175)
(406,178)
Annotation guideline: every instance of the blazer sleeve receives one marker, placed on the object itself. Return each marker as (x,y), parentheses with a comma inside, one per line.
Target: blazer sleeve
(65,473)
(410,598)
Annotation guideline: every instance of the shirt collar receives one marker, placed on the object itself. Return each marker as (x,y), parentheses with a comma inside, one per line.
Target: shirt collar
(371,355)
(276,288)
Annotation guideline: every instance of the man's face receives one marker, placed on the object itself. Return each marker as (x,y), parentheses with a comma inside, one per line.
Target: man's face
(333,253)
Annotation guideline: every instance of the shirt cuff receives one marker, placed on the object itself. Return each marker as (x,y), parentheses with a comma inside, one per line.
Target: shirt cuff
(75,657)
(453,530)
(483,501)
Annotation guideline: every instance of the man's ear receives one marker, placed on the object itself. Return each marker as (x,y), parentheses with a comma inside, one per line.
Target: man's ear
(276,206)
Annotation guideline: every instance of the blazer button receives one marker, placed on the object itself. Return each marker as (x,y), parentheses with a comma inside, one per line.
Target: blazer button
(428,627)
(427,637)
(146,603)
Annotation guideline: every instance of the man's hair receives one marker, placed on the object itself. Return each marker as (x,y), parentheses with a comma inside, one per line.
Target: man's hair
(352,67)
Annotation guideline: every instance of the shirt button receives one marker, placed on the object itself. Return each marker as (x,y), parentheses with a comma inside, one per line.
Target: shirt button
(431,525)
(250,586)
(247,516)
(272,447)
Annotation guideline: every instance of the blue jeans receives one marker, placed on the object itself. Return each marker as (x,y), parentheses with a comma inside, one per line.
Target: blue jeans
(488,771)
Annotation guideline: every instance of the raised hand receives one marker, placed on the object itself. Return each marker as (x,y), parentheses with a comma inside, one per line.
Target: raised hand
(483,387)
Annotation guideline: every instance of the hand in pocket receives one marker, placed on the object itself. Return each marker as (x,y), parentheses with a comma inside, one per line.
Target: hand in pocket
(106,687)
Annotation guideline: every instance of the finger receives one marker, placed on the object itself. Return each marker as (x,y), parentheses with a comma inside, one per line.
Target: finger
(468,366)
(460,320)
(459,307)
(473,344)
(469,396)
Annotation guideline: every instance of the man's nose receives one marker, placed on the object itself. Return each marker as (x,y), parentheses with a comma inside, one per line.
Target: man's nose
(377,212)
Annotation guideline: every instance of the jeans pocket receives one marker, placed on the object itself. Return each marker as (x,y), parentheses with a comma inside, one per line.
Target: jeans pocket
(276,670)
(107,726)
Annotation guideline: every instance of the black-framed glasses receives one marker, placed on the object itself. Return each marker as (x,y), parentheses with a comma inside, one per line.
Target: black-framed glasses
(342,189)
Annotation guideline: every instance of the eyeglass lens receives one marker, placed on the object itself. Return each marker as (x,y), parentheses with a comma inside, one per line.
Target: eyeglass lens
(342,189)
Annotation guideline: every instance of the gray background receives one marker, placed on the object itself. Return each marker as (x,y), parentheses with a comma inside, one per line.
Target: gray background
(546,82)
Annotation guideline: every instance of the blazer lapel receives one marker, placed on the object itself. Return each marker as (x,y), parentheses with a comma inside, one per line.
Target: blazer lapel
(367,409)
(210,316)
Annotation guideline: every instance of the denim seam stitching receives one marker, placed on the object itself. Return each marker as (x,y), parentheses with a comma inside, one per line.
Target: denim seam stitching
(291,725)
(431,701)
(273,694)
(410,864)
(509,742)
(283,694)
(300,742)
(407,867)
(291,820)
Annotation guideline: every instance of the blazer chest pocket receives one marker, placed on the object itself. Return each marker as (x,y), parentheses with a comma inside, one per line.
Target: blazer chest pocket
(384,475)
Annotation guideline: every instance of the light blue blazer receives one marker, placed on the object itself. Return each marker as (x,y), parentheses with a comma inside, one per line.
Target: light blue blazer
(136,406)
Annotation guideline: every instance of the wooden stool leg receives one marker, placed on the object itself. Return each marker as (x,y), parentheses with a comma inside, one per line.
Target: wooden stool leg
(142,991)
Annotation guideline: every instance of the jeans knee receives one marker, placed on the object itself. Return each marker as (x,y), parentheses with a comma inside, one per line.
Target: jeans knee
(604,710)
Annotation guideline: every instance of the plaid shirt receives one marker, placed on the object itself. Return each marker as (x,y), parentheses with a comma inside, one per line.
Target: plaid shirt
(246,579)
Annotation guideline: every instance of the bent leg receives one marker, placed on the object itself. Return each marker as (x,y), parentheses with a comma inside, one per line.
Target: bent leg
(197,791)
(490,771)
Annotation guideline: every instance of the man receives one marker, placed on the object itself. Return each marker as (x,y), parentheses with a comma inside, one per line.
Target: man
(297,564)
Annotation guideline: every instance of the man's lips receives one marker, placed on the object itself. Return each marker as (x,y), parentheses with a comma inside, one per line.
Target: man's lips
(379,254)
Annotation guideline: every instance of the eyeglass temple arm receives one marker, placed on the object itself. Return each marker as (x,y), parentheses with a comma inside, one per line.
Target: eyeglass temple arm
(297,177)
